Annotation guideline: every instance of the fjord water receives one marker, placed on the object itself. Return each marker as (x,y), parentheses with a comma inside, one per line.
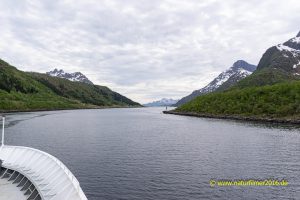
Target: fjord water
(140,153)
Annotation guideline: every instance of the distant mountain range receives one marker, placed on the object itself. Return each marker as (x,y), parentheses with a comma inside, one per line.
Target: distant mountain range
(76,76)
(239,70)
(162,102)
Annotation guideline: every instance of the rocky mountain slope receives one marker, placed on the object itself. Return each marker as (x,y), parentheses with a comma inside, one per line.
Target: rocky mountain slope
(279,63)
(162,102)
(239,70)
(271,93)
(76,76)
(285,56)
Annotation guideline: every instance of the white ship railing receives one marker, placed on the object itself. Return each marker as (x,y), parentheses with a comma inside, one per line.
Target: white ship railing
(52,179)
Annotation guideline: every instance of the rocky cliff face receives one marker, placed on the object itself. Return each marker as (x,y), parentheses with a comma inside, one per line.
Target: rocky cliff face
(285,57)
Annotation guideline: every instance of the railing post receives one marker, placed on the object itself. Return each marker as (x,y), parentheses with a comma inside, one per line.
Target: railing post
(3,123)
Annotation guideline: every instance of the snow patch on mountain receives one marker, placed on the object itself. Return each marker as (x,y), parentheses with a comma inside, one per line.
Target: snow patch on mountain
(224,76)
(284,56)
(296,40)
(282,47)
(292,46)
(162,102)
(239,70)
(75,77)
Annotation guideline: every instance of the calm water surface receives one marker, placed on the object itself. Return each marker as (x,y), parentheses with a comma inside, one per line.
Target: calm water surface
(141,153)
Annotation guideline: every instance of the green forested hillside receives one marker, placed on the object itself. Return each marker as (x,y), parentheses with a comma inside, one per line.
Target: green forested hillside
(280,100)
(266,76)
(267,93)
(86,93)
(21,91)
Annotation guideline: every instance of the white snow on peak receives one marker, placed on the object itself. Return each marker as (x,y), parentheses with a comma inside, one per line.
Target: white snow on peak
(296,40)
(244,72)
(165,100)
(238,71)
(223,77)
(282,47)
(75,76)
(162,102)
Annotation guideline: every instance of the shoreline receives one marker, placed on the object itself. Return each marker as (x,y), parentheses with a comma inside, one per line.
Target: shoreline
(231,117)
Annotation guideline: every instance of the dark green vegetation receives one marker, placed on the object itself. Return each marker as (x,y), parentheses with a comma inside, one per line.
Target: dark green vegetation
(267,93)
(281,100)
(86,93)
(265,76)
(24,91)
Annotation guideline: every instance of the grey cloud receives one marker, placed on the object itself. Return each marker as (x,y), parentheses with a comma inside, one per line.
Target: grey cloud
(144,49)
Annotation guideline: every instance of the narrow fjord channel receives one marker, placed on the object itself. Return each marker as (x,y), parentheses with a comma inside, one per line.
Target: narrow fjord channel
(141,153)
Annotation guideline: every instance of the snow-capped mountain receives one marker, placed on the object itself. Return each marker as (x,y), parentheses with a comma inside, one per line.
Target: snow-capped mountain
(76,76)
(239,70)
(162,102)
(285,56)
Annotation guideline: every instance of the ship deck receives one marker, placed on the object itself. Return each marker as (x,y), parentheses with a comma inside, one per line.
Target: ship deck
(9,191)
(37,175)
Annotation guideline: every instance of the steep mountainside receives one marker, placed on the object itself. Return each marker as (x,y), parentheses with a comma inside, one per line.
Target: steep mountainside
(86,93)
(22,91)
(271,93)
(284,56)
(239,70)
(162,102)
(76,76)
(278,64)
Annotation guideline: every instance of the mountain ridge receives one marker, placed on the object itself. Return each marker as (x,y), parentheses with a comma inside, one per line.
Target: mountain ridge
(279,63)
(162,102)
(285,56)
(75,76)
(239,70)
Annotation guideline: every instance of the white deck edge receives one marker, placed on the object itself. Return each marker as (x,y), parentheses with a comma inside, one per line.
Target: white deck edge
(13,157)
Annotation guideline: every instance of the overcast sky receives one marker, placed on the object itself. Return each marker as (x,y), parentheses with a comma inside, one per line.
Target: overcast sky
(144,49)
